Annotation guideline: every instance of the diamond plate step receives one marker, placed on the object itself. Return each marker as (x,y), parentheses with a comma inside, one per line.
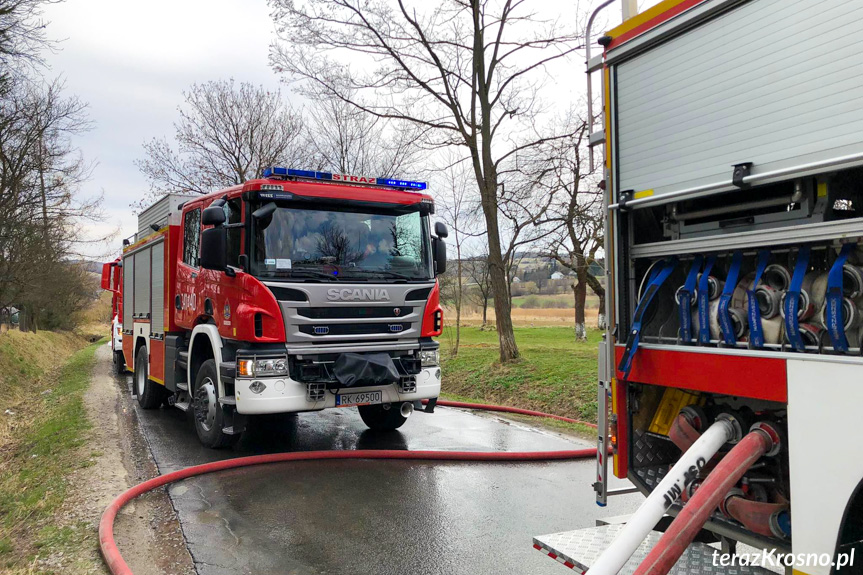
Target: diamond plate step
(581,548)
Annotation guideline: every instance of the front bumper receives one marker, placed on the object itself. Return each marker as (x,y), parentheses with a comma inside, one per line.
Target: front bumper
(285,395)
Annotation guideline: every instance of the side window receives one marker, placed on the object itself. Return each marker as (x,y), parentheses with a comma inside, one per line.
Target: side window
(191,237)
(234,215)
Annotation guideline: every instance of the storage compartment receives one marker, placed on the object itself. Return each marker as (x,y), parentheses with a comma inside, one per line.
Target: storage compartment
(663,322)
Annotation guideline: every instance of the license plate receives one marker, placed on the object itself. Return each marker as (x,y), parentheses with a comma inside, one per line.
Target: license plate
(362,398)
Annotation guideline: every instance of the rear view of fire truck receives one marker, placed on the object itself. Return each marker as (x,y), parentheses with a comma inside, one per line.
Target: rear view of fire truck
(733,140)
(296,292)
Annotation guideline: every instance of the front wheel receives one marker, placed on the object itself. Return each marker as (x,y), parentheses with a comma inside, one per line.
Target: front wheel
(149,392)
(209,416)
(380,418)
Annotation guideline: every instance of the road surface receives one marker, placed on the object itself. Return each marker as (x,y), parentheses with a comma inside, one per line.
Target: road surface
(376,517)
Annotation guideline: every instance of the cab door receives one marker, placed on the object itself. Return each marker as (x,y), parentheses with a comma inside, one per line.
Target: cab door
(187,301)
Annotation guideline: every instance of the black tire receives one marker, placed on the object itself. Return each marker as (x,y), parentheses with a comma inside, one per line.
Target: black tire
(207,411)
(377,418)
(119,363)
(149,392)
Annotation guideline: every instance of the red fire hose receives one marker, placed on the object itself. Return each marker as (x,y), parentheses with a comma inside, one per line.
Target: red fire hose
(118,566)
(701,505)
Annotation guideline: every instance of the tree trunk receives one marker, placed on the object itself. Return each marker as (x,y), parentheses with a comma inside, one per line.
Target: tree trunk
(499,288)
(579,290)
(458,300)
(600,318)
(484,312)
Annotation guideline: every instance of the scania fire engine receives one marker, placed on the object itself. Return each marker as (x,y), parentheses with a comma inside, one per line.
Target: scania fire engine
(733,360)
(295,292)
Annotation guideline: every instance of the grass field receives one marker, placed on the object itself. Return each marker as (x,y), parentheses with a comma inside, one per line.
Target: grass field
(45,430)
(555,374)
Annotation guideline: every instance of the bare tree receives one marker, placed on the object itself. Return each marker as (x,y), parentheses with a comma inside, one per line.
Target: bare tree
(22,35)
(342,138)
(41,210)
(460,211)
(576,216)
(226,134)
(469,72)
(477,268)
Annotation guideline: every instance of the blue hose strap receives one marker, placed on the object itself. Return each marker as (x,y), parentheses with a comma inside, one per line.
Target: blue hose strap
(657,278)
(756,333)
(684,300)
(791,306)
(704,302)
(833,312)
(725,323)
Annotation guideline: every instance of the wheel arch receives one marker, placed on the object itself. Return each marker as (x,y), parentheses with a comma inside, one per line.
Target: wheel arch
(205,343)
(851,528)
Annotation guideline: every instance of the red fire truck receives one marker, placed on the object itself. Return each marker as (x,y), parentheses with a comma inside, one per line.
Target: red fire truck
(296,292)
(733,137)
(112,277)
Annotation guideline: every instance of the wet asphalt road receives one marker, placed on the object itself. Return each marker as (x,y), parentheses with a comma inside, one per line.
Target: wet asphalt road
(376,517)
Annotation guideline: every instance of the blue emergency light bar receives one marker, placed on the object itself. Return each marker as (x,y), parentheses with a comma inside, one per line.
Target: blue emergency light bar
(278,172)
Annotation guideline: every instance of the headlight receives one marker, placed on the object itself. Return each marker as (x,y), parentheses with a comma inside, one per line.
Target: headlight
(429,357)
(262,367)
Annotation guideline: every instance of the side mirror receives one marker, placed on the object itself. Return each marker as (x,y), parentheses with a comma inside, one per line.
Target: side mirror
(213,216)
(214,247)
(439,254)
(264,215)
(440,230)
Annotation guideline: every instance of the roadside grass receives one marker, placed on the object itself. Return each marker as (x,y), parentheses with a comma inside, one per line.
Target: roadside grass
(554,373)
(37,457)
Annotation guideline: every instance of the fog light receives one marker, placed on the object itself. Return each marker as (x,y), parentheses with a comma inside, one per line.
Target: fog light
(257,387)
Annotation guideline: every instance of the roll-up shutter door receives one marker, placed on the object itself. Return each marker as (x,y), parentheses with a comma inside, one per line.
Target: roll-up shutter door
(142,283)
(128,290)
(772,82)
(157,320)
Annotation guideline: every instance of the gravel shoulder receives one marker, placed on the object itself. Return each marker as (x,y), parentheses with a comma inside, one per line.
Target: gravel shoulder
(147,531)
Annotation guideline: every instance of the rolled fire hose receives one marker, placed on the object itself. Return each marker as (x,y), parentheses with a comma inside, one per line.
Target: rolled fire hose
(852,281)
(701,505)
(757,516)
(812,294)
(851,315)
(117,565)
(660,499)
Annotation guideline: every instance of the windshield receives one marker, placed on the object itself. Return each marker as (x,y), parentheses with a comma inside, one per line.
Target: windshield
(340,245)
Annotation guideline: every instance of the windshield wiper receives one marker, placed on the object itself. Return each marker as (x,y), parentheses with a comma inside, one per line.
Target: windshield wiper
(386,274)
(298,273)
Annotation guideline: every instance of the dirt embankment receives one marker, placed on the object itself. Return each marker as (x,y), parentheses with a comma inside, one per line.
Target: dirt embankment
(68,445)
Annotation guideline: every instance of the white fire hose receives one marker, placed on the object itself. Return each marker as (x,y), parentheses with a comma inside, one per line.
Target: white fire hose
(684,472)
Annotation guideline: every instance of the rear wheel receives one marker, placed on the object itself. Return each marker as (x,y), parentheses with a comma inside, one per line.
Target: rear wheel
(209,416)
(380,418)
(149,392)
(119,363)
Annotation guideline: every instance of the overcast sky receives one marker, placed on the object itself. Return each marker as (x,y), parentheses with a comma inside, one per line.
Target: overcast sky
(131,61)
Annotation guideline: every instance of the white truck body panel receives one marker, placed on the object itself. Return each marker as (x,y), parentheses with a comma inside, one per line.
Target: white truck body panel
(767,82)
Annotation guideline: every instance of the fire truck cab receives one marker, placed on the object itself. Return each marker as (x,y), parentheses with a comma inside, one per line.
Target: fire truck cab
(295,292)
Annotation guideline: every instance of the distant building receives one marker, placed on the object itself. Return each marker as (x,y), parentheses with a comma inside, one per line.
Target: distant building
(557,276)
(515,280)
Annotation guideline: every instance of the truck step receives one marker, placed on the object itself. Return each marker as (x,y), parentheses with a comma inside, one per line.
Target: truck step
(182,405)
(228,400)
(182,385)
(579,549)
(231,431)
